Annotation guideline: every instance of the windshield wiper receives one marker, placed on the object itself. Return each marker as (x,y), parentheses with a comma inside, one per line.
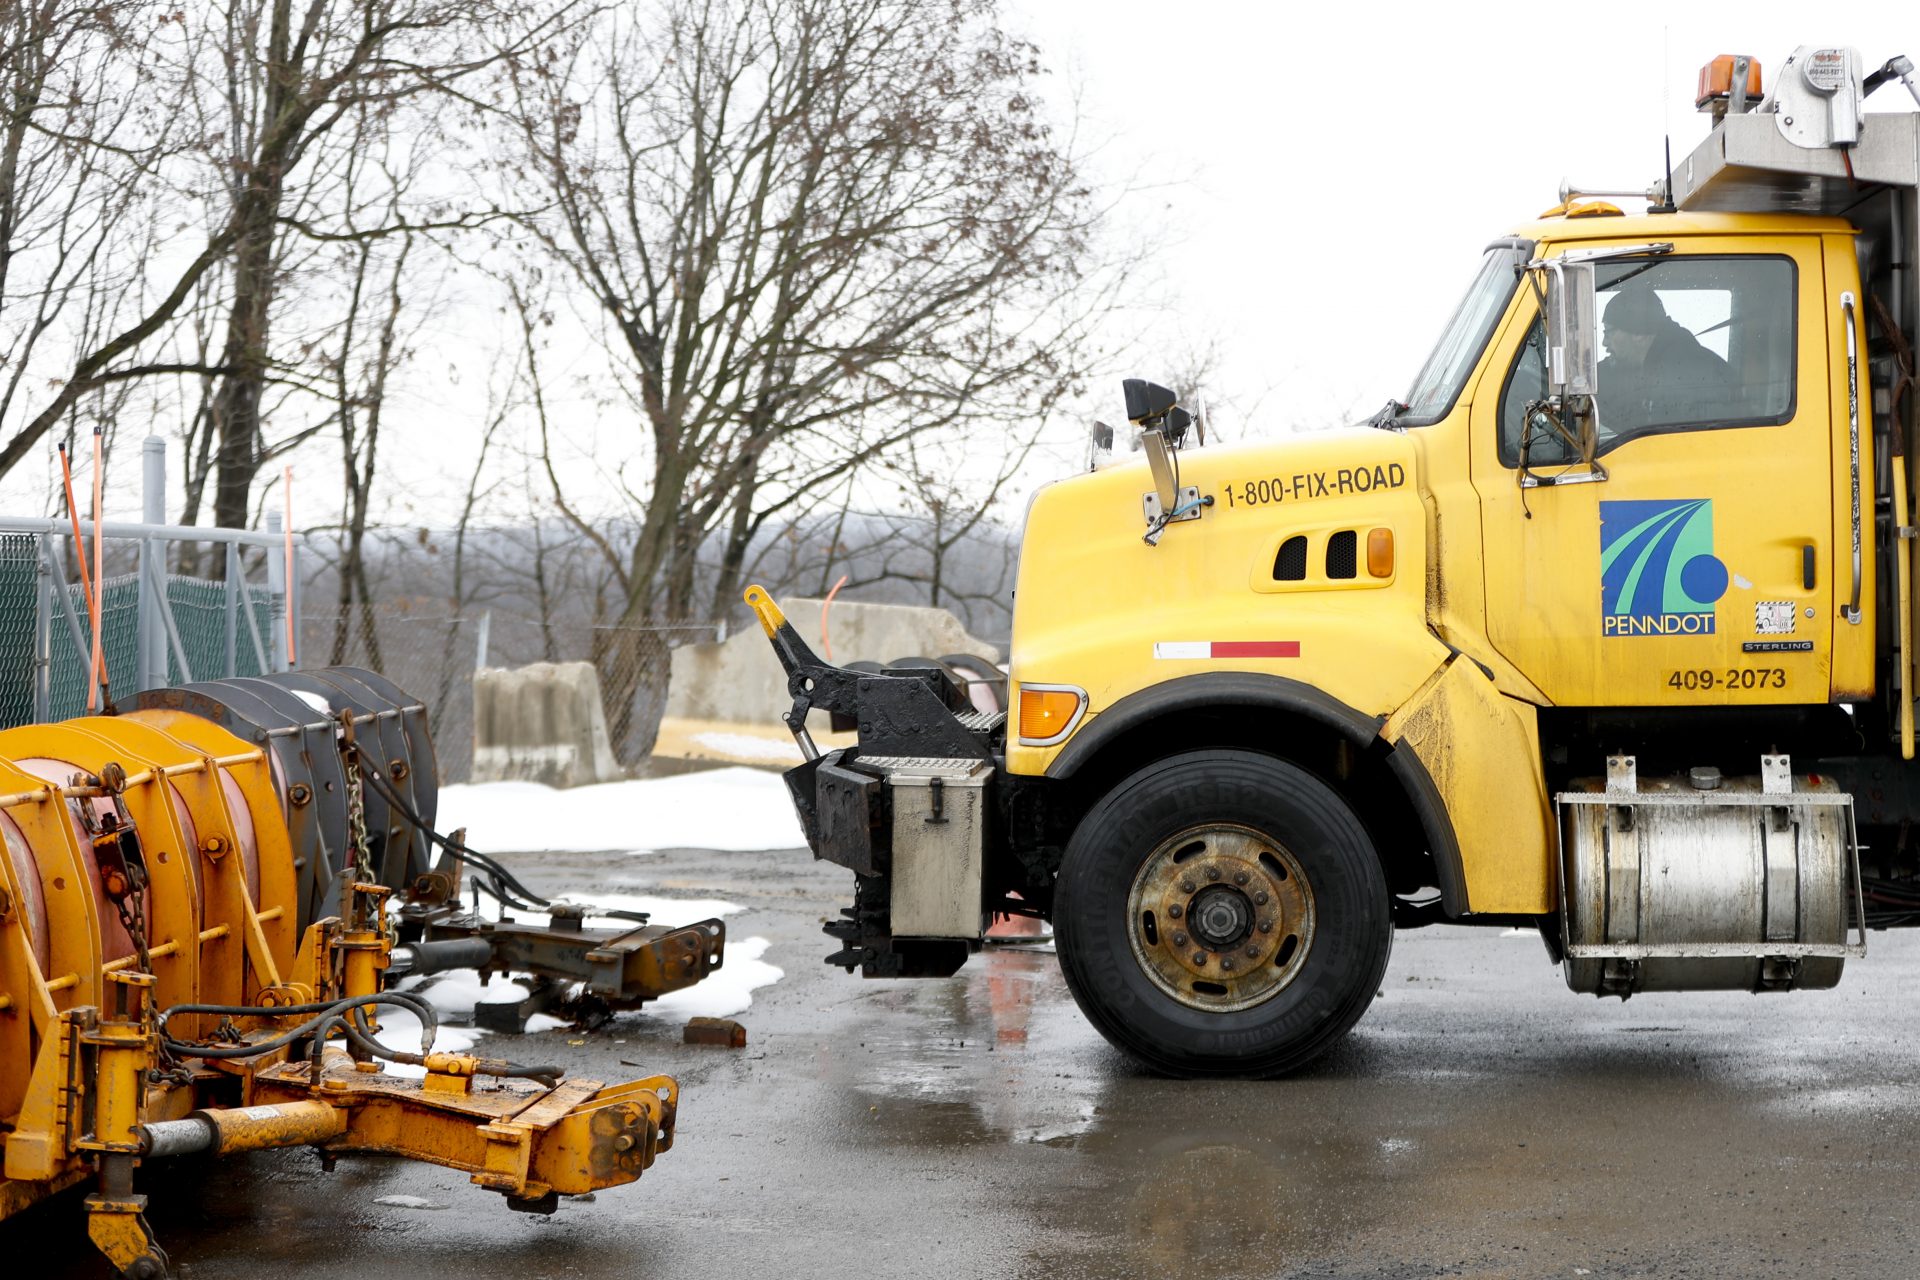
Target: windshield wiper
(1384,419)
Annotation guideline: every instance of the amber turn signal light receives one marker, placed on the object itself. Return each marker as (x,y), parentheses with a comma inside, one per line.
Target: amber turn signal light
(1380,553)
(1048,713)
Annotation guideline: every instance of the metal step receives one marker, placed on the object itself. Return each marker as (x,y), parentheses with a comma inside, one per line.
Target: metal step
(981,721)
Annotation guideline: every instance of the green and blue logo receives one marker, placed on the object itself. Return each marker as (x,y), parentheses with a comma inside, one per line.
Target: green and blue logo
(1658,573)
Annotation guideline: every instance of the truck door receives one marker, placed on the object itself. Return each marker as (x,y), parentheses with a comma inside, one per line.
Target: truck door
(1701,569)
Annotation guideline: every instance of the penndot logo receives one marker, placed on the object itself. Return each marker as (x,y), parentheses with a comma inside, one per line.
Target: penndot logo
(1658,573)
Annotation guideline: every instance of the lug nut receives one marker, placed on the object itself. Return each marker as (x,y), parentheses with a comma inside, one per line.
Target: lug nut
(1199,957)
(1253,953)
(1179,939)
(1174,911)
(1260,898)
(1187,886)
(1213,873)
(1226,962)
(1240,877)
(1266,926)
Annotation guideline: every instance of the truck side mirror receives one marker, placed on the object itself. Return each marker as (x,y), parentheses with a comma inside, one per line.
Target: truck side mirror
(1573,359)
(1569,413)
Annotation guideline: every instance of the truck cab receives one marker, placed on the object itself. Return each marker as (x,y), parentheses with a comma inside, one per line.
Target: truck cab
(1604,629)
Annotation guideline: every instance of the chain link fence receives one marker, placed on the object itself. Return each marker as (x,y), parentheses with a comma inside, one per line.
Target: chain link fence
(156,628)
(19,580)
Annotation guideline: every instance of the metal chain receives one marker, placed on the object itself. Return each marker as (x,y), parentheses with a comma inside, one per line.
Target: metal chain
(359,847)
(357,841)
(114,834)
(132,909)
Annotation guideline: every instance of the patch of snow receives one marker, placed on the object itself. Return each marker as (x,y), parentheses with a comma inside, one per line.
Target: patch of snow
(409,1202)
(749,747)
(725,991)
(736,810)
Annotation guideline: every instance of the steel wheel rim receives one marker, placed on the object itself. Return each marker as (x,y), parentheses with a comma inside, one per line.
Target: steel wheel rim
(1220,917)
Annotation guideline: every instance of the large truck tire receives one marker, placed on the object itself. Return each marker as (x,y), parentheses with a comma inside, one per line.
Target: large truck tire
(1222,913)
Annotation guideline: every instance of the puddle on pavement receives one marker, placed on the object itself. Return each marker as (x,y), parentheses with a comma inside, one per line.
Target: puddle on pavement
(969,1062)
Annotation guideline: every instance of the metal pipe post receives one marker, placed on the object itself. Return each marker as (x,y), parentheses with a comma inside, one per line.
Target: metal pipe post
(43,589)
(276,596)
(150,667)
(231,611)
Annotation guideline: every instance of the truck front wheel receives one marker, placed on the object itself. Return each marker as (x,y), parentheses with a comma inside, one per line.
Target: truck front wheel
(1222,913)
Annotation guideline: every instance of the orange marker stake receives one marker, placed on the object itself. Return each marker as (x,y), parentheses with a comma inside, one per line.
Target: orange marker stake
(825,605)
(79,553)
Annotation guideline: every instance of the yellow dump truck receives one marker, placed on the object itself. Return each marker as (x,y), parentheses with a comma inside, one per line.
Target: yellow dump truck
(1605,628)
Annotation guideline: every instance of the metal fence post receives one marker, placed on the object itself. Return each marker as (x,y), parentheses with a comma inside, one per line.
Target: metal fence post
(150,644)
(231,609)
(294,594)
(43,629)
(276,598)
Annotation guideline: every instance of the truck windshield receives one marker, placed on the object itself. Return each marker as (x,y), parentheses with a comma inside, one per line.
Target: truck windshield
(1435,390)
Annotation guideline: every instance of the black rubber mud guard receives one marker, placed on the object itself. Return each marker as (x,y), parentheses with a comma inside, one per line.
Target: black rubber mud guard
(1431,810)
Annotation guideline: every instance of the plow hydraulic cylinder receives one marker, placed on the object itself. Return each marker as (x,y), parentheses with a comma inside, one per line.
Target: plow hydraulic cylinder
(414,959)
(227,1130)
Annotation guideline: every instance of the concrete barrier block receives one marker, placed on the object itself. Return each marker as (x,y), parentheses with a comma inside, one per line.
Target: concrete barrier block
(541,723)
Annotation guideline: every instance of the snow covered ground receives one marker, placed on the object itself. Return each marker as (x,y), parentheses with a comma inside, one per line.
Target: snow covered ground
(736,810)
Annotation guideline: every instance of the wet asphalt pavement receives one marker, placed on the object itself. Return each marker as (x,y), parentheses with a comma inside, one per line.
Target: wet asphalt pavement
(1482,1121)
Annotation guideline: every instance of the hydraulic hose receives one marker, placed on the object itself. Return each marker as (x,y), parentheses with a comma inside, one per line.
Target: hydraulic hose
(503,882)
(352,1022)
(429,1023)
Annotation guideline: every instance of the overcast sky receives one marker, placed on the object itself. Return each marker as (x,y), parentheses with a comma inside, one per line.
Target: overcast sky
(1319,184)
(1338,168)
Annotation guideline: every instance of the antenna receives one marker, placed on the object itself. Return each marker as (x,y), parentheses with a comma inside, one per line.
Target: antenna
(1666,115)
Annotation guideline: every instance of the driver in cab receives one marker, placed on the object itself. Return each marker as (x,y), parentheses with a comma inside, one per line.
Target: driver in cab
(1656,372)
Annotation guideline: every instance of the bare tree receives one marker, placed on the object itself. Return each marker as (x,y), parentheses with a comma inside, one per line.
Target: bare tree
(813,229)
(127,124)
(88,115)
(945,510)
(294,72)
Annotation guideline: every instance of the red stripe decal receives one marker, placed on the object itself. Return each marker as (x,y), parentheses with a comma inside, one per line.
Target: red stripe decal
(1256,648)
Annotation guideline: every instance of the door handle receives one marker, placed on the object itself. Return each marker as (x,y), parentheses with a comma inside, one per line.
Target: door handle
(1806,567)
(1852,612)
